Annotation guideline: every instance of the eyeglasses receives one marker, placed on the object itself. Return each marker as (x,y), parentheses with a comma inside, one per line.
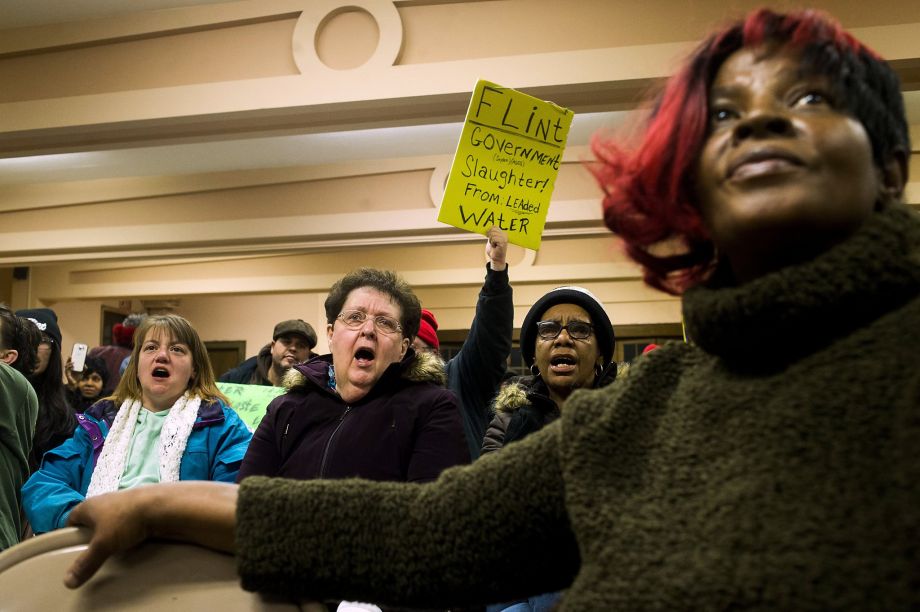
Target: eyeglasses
(356,318)
(578,330)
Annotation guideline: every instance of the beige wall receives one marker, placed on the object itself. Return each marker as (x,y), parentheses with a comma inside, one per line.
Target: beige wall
(243,249)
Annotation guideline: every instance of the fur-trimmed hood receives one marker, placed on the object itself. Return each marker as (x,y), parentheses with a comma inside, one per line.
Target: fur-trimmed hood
(513,395)
(415,367)
(522,391)
(523,406)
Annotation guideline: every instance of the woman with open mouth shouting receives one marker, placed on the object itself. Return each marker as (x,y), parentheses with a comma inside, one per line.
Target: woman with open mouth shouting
(374,408)
(166,421)
(567,340)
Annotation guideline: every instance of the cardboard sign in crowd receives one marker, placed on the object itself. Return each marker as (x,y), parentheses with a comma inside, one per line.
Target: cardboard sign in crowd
(506,164)
(250,401)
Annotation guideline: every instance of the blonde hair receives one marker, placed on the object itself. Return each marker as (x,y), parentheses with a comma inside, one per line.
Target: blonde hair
(178,329)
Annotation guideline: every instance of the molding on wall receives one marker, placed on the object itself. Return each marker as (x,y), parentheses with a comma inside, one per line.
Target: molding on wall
(131,26)
(275,235)
(31,196)
(64,284)
(584,80)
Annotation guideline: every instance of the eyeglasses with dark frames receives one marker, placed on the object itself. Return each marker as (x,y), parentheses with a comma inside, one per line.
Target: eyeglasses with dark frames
(577,330)
(355,319)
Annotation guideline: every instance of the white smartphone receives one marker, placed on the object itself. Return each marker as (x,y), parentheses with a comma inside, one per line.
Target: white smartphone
(78,356)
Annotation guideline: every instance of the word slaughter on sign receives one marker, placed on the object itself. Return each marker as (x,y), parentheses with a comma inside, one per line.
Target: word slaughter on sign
(506,164)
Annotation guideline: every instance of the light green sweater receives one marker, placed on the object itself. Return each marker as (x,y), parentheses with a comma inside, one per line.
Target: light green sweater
(18,411)
(775,465)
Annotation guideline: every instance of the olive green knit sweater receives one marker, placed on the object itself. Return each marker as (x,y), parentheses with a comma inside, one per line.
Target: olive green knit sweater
(774,465)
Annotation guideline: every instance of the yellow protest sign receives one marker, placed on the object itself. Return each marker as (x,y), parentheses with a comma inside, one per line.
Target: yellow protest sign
(506,164)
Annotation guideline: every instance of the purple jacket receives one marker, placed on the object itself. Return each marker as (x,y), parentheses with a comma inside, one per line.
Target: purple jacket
(408,428)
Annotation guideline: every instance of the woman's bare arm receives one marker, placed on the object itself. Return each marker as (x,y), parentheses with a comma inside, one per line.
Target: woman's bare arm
(199,512)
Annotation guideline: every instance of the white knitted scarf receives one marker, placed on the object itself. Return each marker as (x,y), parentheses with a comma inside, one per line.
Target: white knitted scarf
(173,437)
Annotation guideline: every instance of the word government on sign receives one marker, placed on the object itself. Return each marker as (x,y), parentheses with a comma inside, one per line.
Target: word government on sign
(490,142)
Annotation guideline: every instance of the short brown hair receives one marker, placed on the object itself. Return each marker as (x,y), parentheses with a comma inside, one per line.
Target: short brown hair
(383,281)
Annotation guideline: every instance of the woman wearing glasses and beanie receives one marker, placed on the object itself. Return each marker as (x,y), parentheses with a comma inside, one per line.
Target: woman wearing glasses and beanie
(567,340)
(373,408)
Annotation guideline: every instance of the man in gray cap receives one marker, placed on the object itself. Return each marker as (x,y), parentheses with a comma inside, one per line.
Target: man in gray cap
(292,342)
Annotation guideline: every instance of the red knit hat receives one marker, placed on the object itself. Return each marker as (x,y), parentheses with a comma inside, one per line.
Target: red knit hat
(428,329)
(123,335)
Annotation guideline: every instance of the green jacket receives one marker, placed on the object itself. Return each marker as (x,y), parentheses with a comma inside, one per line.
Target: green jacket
(773,465)
(18,411)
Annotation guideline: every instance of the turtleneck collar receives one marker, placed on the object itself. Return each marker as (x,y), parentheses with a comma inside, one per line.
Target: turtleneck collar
(797,309)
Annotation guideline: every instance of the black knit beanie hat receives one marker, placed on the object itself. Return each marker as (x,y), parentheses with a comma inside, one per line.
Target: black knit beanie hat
(45,320)
(97,365)
(603,329)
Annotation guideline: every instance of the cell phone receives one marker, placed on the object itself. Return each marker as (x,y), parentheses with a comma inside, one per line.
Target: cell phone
(78,356)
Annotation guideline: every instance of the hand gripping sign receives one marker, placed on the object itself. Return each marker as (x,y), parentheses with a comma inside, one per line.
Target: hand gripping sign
(506,164)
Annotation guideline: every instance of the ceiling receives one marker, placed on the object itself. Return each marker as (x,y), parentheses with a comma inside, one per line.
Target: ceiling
(22,13)
(221,155)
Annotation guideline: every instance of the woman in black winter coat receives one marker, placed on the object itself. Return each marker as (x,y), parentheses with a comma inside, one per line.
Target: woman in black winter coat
(56,421)
(567,340)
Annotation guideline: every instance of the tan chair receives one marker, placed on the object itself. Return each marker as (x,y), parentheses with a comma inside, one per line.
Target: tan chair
(155,576)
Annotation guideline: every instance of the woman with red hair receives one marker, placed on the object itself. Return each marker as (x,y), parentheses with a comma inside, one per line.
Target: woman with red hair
(771,463)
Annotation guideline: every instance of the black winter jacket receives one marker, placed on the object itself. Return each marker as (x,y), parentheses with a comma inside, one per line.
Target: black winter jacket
(475,372)
(253,371)
(407,428)
(524,406)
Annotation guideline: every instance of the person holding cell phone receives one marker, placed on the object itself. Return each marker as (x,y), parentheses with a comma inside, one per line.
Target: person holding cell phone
(89,384)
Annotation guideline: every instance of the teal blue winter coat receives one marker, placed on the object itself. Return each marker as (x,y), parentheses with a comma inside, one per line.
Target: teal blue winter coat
(214,451)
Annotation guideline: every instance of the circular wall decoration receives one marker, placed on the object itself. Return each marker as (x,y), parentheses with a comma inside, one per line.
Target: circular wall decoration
(318,12)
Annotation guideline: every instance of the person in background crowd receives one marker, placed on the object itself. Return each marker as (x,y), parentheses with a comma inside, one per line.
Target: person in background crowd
(167,421)
(374,408)
(18,412)
(19,340)
(292,342)
(475,373)
(113,354)
(568,342)
(771,463)
(89,385)
(56,420)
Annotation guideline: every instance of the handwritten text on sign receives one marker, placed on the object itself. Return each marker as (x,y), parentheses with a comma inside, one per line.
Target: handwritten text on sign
(506,164)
